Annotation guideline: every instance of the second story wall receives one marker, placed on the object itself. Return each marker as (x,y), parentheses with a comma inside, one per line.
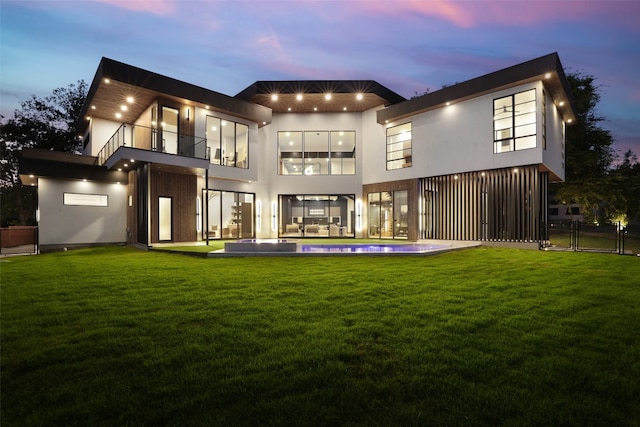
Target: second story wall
(459,138)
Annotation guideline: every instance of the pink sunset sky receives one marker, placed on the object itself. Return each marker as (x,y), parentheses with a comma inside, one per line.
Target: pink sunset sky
(410,46)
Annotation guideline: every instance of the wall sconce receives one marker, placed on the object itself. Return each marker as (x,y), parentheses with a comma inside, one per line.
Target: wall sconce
(358,215)
(274,216)
(198,222)
(258,215)
(188,113)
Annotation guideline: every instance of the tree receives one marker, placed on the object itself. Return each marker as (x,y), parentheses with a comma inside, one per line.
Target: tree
(589,154)
(625,179)
(48,123)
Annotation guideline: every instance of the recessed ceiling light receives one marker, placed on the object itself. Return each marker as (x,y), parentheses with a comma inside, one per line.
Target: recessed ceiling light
(327,96)
(207,107)
(359,96)
(119,169)
(569,121)
(561,103)
(315,108)
(118,116)
(274,97)
(133,160)
(107,81)
(124,107)
(344,108)
(93,107)
(547,75)
(30,176)
(448,103)
(289,109)
(130,99)
(126,165)
(299,97)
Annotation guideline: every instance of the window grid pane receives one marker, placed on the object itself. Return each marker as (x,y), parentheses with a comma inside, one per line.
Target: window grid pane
(514,122)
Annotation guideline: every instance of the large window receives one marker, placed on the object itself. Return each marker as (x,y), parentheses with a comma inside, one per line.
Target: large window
(228,142)
(317,215)
(389,215)
(514,122)
(317,153)
(399,146)
(228,215)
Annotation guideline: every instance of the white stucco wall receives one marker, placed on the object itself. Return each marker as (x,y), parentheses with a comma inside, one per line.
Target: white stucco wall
(554,155)
(101,131)
(77,225)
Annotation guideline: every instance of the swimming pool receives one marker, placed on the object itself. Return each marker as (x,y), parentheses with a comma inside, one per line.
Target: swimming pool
(371,248)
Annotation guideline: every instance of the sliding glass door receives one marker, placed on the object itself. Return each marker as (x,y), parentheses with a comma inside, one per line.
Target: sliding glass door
(388,215)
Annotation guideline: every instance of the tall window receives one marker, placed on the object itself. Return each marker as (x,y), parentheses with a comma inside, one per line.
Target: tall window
(228,142)
(399,146)
(317,153)
(318,215)
(514,122)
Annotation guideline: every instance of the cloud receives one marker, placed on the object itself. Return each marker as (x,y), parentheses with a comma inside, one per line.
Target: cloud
(156,7)
(475,13)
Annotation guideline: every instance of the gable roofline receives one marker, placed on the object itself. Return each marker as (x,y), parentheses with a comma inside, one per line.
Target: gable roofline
(355,95)
(545,68)
(163,86)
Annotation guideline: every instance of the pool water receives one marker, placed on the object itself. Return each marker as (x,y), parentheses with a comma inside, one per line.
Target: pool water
(371,248)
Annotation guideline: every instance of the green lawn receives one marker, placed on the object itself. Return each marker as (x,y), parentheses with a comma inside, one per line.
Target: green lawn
(120,337)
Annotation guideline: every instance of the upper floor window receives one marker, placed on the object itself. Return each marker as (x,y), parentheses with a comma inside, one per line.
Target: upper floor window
(228,142)
(317,153)
(399,146)
(514,122)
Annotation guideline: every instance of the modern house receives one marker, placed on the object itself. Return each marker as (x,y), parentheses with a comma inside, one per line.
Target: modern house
(167,161)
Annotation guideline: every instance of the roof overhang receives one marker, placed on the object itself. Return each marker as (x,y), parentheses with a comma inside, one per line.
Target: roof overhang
(322,96)
(128,91)
(37,163)
(546,68)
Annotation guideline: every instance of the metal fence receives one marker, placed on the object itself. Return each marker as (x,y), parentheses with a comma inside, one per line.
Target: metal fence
(18,240)
(584,236)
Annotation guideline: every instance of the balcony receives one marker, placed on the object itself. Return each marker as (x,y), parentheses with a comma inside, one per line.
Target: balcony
(153,145)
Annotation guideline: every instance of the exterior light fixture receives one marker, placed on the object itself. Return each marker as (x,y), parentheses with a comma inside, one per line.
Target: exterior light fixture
(274,97)
(124,107)
(547,75)
(130,99)
(289,109)
(359,96)
(327,96)
(118,116)
(315,108)
(126,165)
(93,107)
(107,81)
(344,108)
(274,216)
(188,113)
(299,97)
(561,103)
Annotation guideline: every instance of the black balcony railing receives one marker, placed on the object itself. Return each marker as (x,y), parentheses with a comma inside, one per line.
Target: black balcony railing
(154,139)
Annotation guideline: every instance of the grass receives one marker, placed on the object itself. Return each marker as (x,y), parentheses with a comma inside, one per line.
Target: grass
(115,336)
